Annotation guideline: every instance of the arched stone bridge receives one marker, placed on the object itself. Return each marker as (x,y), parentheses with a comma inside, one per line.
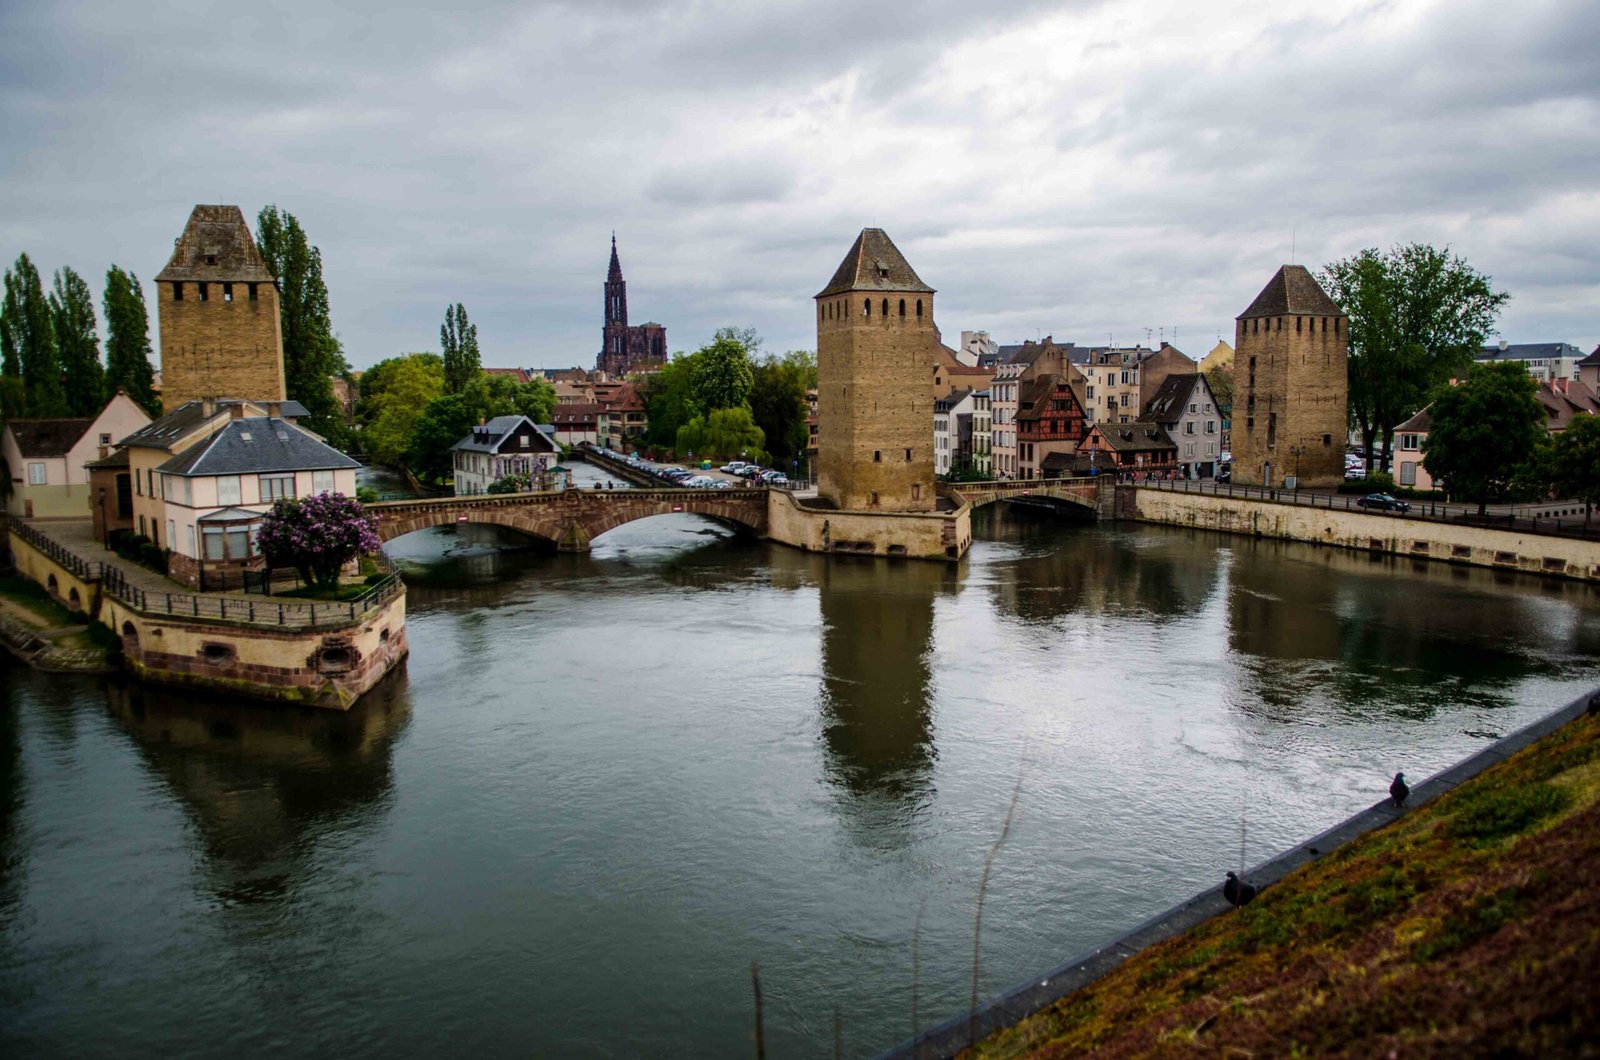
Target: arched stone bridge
(571,518)
(1096,495)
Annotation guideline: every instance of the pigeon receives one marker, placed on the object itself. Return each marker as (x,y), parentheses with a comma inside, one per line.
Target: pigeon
(1237,892)
(1399,789)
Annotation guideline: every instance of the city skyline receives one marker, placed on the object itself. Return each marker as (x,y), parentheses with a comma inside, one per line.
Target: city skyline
(1088,171)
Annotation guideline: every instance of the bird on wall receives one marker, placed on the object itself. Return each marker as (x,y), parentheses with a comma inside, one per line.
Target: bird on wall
(1237,892)
(1398,789)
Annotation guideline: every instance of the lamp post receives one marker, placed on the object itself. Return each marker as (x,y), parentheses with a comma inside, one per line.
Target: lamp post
(1297,451)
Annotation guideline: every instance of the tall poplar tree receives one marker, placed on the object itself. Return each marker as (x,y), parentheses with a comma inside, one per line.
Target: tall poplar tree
(458,341)
(128,340)
(311,352)
(30,340)
(77,343)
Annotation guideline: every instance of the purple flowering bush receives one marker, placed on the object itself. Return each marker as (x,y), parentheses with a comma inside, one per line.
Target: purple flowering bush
(317,535)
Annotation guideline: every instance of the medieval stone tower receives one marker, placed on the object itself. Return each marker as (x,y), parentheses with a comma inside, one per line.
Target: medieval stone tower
(1290,384)
(218,307)
(876,345)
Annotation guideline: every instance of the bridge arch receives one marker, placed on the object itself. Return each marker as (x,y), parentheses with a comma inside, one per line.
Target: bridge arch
(572,518)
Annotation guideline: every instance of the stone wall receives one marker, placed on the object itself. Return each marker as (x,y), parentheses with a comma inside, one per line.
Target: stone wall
(914,535)
(1476,546)
(220,348)
(875,402)
(1299,364)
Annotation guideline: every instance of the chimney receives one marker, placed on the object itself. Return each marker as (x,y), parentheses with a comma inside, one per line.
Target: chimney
(1504,345)
(236,410)
(208,407)
(274,410)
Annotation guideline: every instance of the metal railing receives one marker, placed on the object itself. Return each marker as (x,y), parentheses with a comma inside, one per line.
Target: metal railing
(264,612)
(69,561)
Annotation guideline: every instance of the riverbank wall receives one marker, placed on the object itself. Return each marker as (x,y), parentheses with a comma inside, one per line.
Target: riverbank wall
(1365,532)
(318,654)
(911,535)
(957,1034)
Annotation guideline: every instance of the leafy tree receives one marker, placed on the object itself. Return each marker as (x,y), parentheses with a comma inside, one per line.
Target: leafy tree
(446,420)
(317,535)
(778,405)
(669,399)
(724,433)
(1575,463)
(128,341)
(458,339)
(722,374)
(393,403)
(1484,431)
(78,343)
(311,353)
(504,396)
(1418,316)
(29,338)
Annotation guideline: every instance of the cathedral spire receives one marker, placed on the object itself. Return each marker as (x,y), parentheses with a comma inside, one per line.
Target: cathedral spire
(615,275)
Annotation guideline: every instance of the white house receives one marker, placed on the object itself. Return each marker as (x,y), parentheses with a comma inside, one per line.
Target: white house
(506,445)
(46,458)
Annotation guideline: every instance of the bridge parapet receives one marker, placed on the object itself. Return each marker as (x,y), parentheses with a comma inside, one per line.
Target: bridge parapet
(570,518)
(1093,493)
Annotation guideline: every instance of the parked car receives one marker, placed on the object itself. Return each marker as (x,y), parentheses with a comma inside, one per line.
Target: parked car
(1355,474)
(1383,502)
(700,482)
(722,484)
(733,467)
(749,471)
(775,478)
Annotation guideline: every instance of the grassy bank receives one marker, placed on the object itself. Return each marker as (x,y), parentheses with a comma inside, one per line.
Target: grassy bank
(1469,927)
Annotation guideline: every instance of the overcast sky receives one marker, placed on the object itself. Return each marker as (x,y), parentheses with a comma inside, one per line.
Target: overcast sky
(1078,169)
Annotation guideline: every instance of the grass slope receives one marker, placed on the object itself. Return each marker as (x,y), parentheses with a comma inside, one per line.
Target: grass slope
(1470,927)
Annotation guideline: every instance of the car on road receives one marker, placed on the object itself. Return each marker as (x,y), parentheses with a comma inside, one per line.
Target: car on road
(775,478)
(1383,502)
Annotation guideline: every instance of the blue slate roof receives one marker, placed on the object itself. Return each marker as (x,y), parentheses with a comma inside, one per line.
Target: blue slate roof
(490,436)
(255,444)
(1530,351)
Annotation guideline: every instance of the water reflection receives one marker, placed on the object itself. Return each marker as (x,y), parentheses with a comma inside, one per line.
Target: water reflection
(260,781)
(875,698)
(11,795)
(1046,578)
(1342,631)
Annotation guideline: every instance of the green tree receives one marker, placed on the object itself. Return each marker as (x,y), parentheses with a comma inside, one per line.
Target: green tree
(128,341)
(78,343)
(395,402)
(311,353)
(778,405)
(1484,431)
(1220,380)
(445,420)
(1575,463)
(504,396)
(669,399)
(458,339)
(30,340)
(722,433)
(722,374)
(1418,315)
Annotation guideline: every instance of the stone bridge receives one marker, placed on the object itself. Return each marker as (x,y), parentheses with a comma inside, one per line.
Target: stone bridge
(571,518)
(1096,495)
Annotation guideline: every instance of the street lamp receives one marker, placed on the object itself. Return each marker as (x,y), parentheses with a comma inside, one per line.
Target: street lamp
(1297,451)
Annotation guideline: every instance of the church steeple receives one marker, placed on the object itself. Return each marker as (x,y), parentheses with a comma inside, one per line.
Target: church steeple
(616,291)
(615,275)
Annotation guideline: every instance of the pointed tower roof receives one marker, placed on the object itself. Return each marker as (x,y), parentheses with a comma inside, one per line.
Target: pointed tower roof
(874,264)
(216,245)
(615,275)
(1293,290)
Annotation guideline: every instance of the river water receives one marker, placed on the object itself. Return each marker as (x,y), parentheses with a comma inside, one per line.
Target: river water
(605,784)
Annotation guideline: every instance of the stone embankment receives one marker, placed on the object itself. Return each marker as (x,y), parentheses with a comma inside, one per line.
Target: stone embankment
(1378,533)
(319,653)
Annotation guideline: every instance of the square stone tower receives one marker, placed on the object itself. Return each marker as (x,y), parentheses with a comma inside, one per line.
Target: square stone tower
(1291,387)
(218,307)
(876,346)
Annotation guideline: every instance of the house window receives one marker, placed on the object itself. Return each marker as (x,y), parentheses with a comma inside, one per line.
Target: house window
(276,487)
(226,543)
(1193,407)
(1409,442)
(1408,472)
(1211,426)
(105,439)
(172,532)
(191,551)
(1188,428)
(36,475)
(228,490)
(322,481)
(524,440)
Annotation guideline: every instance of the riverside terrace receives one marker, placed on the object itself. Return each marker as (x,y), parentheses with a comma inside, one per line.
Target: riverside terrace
(320,653)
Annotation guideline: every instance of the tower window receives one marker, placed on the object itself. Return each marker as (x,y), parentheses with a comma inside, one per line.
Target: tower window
(227,292)
(885,307)
(252,292)
(908,456)
(203,292)
(919,309)
(1297,321)
(866,306)
(902,307)
(177,291)
(874,498)
(877,456)
(211,259)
